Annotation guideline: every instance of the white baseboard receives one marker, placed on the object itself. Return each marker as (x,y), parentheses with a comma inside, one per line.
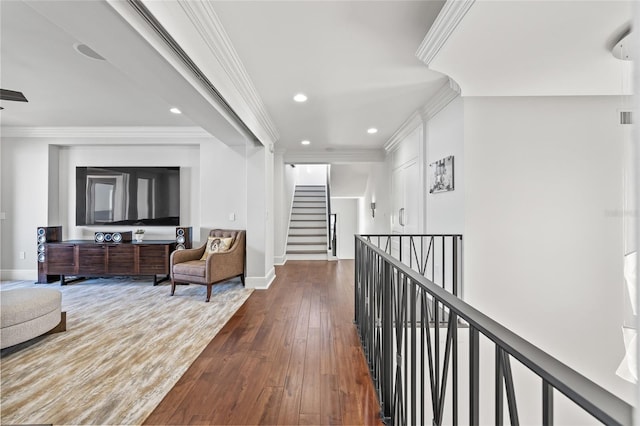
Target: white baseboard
(19,275)
(280,260)
(261,283)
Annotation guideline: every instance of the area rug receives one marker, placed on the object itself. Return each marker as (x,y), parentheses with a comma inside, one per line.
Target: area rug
(127,343)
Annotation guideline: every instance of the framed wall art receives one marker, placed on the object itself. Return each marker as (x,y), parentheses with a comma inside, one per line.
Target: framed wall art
(441,175)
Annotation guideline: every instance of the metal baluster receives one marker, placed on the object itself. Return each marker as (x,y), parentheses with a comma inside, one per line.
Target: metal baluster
(511,394)
(547,403)
(499,387)
(413,352)
(474,376)
(387,343)
(454,275)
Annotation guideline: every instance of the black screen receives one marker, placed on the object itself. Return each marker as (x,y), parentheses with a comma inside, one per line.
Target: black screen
(148,196)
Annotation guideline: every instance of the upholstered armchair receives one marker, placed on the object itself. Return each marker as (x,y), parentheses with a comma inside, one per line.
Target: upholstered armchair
(187,266)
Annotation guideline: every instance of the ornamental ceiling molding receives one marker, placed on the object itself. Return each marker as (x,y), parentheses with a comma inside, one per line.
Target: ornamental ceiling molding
(206,22)
(443,97)
(446,22)
(155,132)
(447,93)
(333,157)
(410,124)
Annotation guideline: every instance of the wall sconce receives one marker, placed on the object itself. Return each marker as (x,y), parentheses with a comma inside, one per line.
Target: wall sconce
(373,209)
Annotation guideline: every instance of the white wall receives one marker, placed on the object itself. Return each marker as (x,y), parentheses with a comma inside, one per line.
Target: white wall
(284,185)
(349,180)
(445,137)
(25,194)
(223,183)
(379,189)
(543,255)
(311,174)
(346,210)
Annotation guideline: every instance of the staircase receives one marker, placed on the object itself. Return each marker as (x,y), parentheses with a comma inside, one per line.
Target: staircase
(307,239)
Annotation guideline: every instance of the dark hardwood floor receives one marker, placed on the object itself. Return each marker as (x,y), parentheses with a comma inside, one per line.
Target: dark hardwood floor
(291,355)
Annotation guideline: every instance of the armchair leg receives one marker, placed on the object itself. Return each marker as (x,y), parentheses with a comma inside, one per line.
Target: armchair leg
(173,286)
(208,292)
(242,278)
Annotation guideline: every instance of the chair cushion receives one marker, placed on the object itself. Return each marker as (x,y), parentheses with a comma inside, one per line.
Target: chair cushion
(216,245)
(194,268)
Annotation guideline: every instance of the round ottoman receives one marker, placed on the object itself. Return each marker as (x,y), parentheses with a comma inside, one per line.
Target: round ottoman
(26,313)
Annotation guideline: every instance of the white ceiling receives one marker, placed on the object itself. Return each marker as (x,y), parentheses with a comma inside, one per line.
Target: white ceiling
(63,87)
(355,60)
(538,48)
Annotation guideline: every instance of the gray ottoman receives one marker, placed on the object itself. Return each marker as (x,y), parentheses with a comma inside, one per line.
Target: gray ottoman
(26,313)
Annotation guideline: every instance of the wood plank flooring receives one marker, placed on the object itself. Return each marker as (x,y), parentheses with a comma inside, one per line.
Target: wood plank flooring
(291,355)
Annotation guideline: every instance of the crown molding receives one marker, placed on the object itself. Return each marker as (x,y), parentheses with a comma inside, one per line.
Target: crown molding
(446,22)
(206,22)
(405,129)
(105,132)
(334,157)
(448,92)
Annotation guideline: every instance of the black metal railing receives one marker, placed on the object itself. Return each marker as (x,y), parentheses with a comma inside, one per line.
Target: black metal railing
(413,330)
(330,247)
(333,237)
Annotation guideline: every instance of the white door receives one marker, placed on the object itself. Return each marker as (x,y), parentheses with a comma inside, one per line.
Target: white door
(406,202)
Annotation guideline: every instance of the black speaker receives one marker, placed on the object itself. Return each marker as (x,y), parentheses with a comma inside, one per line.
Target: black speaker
(184,238)
(44,235)
(112,237)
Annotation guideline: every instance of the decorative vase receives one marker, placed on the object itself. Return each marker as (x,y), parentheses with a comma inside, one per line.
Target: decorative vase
(139,237)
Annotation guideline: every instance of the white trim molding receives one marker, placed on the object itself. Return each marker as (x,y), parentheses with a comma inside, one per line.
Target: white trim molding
(261,283)
(447,93)
(446,22)
(105,132)
(205,20)
(409,125)
(19,275)
(334,157)
(280,260)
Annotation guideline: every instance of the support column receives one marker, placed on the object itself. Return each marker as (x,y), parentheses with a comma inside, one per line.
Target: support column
(260,270)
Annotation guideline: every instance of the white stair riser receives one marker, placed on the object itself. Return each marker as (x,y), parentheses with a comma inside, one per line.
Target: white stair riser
(291,256)
(308,222)
(309,247)
(295,231)
(310,205)
(298,210)
(316,217)
(310,188)
(307,239)
(315,193)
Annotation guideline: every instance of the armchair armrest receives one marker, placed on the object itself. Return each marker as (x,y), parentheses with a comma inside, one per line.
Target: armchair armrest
(179,256)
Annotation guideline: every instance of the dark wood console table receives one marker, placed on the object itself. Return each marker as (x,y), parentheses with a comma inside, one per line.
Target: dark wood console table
(86,258)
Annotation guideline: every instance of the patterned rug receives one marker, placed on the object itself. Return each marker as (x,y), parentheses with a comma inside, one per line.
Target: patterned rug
(126,345)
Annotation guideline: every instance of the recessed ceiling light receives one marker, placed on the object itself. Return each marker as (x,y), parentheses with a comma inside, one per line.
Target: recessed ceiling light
(300,97)
(372,130)
(305,142)
(175,110)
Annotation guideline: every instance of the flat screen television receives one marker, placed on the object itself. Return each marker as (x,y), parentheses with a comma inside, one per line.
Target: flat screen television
(136,196)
